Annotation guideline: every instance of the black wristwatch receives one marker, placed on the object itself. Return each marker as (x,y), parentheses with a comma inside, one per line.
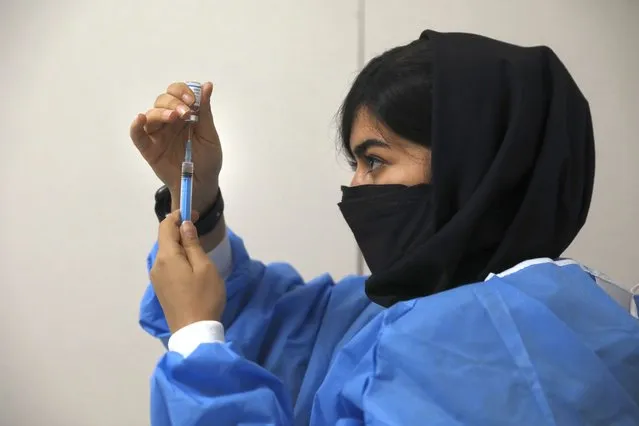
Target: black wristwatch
(208,219)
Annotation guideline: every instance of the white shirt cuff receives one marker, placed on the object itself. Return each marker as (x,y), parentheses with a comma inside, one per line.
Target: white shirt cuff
(222,257)
(187,339)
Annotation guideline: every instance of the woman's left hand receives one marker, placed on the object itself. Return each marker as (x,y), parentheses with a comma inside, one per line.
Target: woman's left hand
(185,280)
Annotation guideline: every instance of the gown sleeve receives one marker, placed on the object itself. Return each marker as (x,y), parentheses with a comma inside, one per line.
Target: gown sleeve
(252,374)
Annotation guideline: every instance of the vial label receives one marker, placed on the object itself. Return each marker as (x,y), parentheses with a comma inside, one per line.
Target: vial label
(196,88)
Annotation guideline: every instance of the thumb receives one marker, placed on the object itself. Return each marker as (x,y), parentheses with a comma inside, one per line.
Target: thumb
(191,243)
(206,115)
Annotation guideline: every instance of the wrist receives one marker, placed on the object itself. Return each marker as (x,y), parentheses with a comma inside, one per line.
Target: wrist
(201,203)
(180,323)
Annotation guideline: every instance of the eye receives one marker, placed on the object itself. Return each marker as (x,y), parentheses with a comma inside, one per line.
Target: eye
(370,163)
(373,163)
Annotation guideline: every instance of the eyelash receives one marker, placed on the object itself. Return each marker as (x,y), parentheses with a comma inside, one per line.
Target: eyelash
(370,162)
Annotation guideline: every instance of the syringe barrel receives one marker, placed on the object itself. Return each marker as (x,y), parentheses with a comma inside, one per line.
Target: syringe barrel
(196,88)
(186,191)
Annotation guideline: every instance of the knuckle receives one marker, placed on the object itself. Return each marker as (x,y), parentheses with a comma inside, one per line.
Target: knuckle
(154,274)
(161,262)
(203,268)
(167,102)
(159,100)
(167,222)
(177,86)
(177,89)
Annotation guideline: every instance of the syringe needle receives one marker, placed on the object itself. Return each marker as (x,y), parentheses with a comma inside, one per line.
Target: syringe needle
(188,155)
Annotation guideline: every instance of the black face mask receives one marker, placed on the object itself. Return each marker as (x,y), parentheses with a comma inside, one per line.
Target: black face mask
(387,220)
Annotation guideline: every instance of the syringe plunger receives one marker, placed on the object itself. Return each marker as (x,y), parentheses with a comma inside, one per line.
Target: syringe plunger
(187,168)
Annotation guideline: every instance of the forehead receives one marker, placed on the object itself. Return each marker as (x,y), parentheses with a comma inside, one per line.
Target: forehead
(366,127)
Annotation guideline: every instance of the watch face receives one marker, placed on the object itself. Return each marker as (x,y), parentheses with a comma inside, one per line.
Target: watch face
(162,193)
(162,202)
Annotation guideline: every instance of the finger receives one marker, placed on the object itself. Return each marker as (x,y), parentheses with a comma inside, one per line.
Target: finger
(181,90)
(156,118)
(205,102)
(138,135)
(175,218)
(168,101)
(169,234)
(191,243)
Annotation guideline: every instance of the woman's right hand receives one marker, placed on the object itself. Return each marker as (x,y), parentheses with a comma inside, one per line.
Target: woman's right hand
(186,282)
(161,133)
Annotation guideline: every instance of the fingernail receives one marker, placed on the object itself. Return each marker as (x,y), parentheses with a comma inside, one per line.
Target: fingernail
(167,114)
(187,98)
(182,110)
(189,229)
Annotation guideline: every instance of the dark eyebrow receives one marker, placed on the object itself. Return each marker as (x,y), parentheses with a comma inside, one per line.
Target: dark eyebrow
(360,150)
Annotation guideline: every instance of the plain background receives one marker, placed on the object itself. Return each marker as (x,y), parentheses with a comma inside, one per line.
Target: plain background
(77,219)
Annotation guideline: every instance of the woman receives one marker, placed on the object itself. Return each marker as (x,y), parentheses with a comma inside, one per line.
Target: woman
(471,158)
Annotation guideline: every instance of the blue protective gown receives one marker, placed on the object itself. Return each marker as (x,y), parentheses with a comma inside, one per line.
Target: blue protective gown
(542,345)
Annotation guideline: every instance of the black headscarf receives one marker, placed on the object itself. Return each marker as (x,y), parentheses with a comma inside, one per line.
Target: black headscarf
(513,164)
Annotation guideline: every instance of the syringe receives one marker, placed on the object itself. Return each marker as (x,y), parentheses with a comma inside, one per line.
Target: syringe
(186,189)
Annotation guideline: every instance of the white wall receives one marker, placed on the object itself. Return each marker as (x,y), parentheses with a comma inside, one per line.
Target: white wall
(77,218)
(77,213)
(599,43)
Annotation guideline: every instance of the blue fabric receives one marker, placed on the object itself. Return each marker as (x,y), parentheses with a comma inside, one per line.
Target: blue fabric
(540,346)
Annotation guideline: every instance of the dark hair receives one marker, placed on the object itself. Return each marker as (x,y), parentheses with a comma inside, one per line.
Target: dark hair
(396,88)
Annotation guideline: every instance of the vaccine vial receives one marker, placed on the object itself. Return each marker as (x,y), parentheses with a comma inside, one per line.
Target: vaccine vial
(196,88)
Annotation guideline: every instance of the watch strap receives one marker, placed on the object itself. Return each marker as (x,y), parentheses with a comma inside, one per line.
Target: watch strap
(208,220)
